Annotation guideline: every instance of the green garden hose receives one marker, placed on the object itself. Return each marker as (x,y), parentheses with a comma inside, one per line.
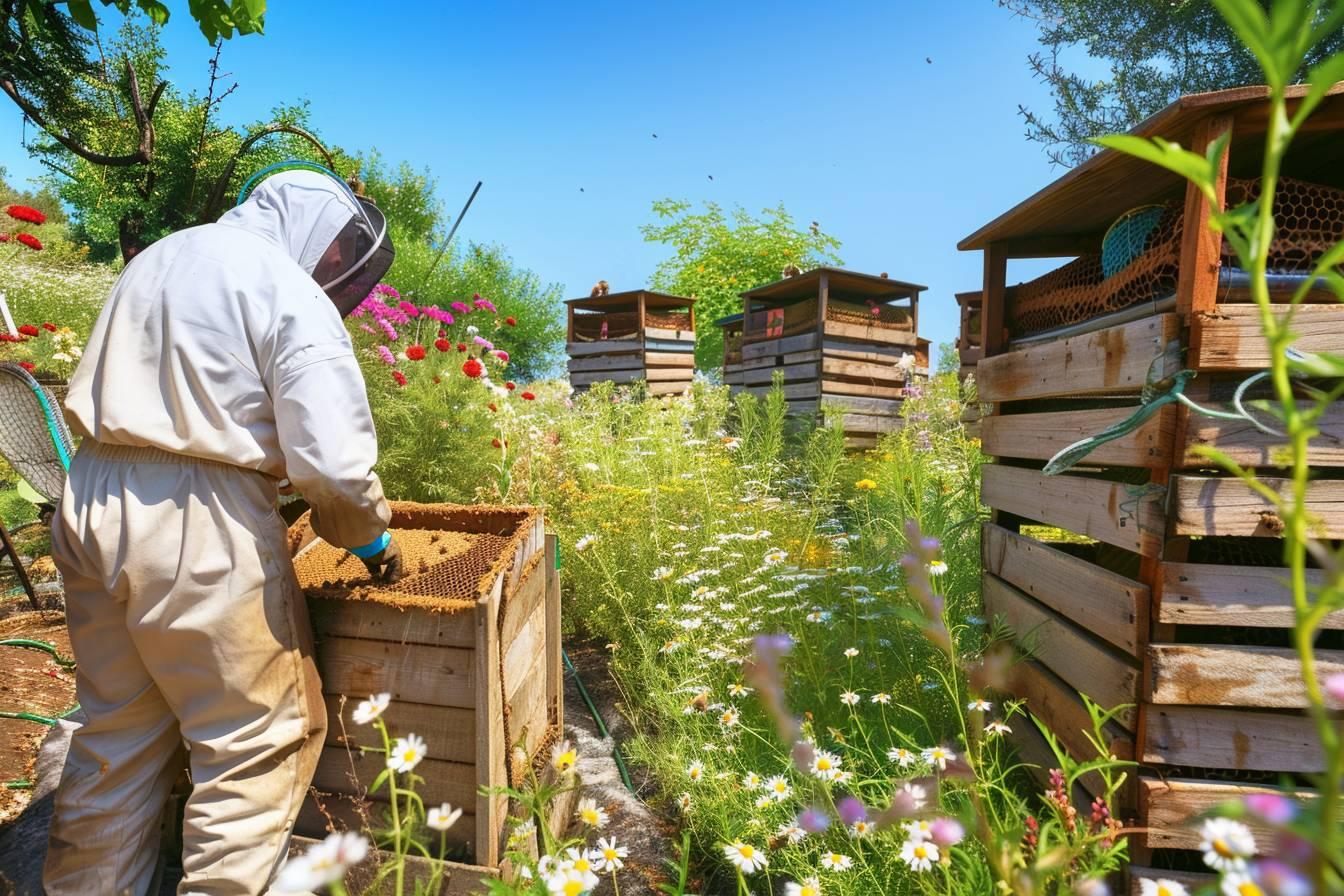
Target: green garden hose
(601,725)
(40,645)
(29,717)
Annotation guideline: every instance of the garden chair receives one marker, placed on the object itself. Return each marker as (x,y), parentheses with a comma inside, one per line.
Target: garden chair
(37,444)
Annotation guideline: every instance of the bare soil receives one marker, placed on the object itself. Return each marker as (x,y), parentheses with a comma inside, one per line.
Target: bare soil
(30,681)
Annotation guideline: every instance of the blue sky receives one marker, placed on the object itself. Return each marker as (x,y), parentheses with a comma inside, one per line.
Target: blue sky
(830,108)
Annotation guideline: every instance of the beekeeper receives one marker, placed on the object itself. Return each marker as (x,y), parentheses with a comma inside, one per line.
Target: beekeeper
(219,366)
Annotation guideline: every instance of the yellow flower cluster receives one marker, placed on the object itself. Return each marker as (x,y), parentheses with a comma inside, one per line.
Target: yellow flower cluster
(865,484)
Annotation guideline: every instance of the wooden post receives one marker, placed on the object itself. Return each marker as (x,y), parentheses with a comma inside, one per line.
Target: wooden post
(641,316)
(490,746)
(914,313)
(992,314)
(1201,248)
(571,323)
(823,301)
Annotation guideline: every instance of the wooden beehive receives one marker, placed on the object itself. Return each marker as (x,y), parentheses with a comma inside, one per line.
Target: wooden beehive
(968,337)
(468,644)
(835,336)
(732,351)
(1145,575)
(631,336)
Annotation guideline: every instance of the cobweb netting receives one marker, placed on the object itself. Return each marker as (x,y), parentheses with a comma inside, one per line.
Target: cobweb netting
(801,317)
(594,327)
(447,550)
(1310,220)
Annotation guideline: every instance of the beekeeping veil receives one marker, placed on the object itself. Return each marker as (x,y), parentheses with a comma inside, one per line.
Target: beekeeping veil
(339,238)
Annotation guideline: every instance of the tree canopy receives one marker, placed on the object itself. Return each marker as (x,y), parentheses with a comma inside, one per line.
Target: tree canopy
(717,255)
(1155,51)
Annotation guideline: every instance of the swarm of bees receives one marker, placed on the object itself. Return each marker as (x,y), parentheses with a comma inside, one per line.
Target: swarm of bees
(600,288)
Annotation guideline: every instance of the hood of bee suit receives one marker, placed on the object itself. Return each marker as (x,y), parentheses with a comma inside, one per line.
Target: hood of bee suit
(302,212)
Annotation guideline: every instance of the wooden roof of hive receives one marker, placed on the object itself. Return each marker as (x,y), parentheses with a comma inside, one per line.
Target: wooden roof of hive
(730,320)
(806,284)
(1070,215)
(652,299)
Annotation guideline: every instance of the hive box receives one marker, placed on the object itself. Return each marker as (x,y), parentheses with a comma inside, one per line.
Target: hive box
(467,644)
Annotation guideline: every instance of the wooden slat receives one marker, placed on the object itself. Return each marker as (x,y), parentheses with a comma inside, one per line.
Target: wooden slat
(619,377)
(1251,447)
(1042,436)
(597,363)
(795,390)
(1084,662)
(868,333)
(758,363)
(799,357)
(800,343)
(1231,739)
(1125,516)
(527,705)
(1214,594)
(602,347)
(555,686)
(865,405)
(520,654)
(1110,361)
(792,373)
(449,732)
(673,388)
(1230,338)
(372,621)
(669,359)
(1191,880)
(1201,246)
(870,423)
(523,602)
(1206,505)
(667,345)
(456,879)
(869,390)
(488,701)
(1172,808)
(1226,675)
(441,676)
(882,373)
(860,441)
(855,351)
(1058,705)
(669,335)
(668,374)
(1107,604)
(351,772)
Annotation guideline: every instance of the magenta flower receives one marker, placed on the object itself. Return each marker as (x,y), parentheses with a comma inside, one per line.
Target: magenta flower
(434,313)
(503,356)
(461,307)
(386,354)
(946,832)
(409,309)
(388,329)
(484,303)
(851,810)
(368,329)
(482,342)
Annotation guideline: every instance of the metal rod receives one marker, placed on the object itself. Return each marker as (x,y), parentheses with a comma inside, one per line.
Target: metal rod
(447,240)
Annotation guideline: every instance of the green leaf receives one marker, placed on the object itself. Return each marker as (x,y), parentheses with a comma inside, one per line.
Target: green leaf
(157,11)
(82,12)
(1192,166)
(1247,19)
(1321,78)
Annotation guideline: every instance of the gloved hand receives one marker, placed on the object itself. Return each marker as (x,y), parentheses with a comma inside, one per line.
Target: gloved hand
(385,566)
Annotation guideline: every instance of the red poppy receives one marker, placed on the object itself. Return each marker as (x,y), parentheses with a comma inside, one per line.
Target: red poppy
(510,386)
(495,443)
(442,344)
(399,377)
(50,328)
(25,213)
(473,368)
(27,365)
(415,353)
(29,330)
(511,321)
(528,396)
(30,241)
(461,346)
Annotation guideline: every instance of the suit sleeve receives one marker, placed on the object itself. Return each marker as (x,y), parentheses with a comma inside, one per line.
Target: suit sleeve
(326,432)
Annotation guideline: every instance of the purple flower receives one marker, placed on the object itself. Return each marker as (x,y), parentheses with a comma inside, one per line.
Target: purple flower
(771,648)
(461,307)
(814,821)
(946,832)
(388,329)
(851,810)
(1279,879)
(483,342)
(1272,807)
(386,354)
(484,303)
(433,313)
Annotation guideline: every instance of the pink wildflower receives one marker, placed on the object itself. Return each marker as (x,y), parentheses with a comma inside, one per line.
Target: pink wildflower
(388,329)
(503,356)
(386,355)
(461,307)
(409,309)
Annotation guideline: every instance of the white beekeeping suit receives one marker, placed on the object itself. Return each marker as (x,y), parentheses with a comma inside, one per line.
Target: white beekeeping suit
(217,368)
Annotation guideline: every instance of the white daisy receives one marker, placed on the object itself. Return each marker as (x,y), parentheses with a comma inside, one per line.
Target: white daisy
(696,770)
(778,787)
(997,728)
(591,814)
(937,568)
(861,828)
(751,781)
(738,690)
(809,887)
(1162,887)
(729,717)
(607,857)
(881,697)
(919,854)
(834,861)
(1226,844)
(442,817)
(745,857)
(914,795)
(661,574)
(791,833)
(902,757)
(563,757)
(851,652)
(825,765)
(370,709)
(406,753)
(938,756)
(980,704)
(849,698)
(583,543)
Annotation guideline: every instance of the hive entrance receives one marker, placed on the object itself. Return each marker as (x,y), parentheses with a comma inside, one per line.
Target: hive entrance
(443,570)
